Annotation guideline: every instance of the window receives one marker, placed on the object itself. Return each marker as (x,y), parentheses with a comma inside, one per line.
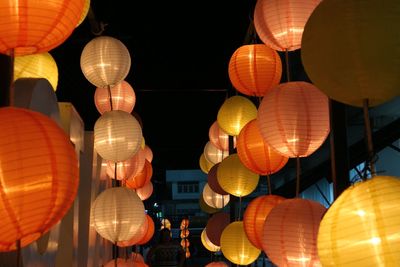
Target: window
(188,187)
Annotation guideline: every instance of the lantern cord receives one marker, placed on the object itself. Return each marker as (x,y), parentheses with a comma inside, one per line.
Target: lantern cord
(11,93)
(297,176)
(109,94)
(269,184)
(18,244)
(287,65)
(368,132)
(240,208)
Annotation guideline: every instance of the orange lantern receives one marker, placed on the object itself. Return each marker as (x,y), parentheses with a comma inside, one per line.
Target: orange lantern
(290,232)
(184,233)
(126,168)
(254,69)
(39,176)
(125,263)
(145,191)
(138,235)
(184,223)
(123,97)
(215,225)
(212,180)
(293,118)
(31,27)
(255,215)
(217,264)
(185,243)
(256,154)
(219,138)
(280,24)
(150,232)
(148,153)
(141,178)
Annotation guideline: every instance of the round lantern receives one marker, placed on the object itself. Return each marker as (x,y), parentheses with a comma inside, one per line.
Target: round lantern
(40,65)
(204,164)
(165,223)
(219,138)
(217,264)
(39,176)
(204,207)
(293,119)
(184,233)
(105,61)
(214,200)
(117,214)
(145,191)
(215,225)
(254,69)
(185,243)
(236,247)
(150,232)
(117,135)
(235,178)
(138,235)
(33,27)
(362,226)
(342,59)
(212,180)
(126,168)
(123,97)
(255,215)
(84,13)
(184,224)
(141,178)
(213,154)
(290,232)
(148,153)
(280,24)
(207,243)
(234,113)
(125,263)
(137,257)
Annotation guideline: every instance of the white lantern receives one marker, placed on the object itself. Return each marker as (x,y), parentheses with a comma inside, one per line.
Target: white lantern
(213,199)
(214,154)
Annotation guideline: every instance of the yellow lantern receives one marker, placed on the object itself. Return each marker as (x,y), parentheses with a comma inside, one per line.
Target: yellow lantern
(214,154)
(85,11)
(207,243)
(165,223)
(362,227)
(213,199)
(236,247)
(204,164)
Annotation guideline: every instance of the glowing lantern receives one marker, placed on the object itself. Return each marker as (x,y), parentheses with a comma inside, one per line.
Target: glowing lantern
(145,191)
(235,178)
(207,243)
(255,215)
(219,138)
(293,119)
(254,69)
(127,168)
(214,200)
(122,94)
(213,154)
(280,24)
(165,223)
(215,225)
(212,180)
(117,135)
(236,247)
(204,164)
(39,176)
(204,207)
(125,263)
(184,233)
(138,235)
(40,65)
(362,226)
(33,27)
(150,232)
(148,153)
(184,224)
(217,264)
(235,112)
(141,178)
(84,13)
(256,154)
(136,257)
(105,61)
(117,214)
(185,243)
(187,254)
(290,232)
(349,75)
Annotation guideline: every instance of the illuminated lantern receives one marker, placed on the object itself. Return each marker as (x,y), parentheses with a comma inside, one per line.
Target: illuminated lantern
(236,247)
(105,61)
(150,232)
(187,254)
(185,243)
(235,178)
(293,119)
(122,94)
(165,223)
(212,180)
(219,138)
(215,225)
(350,74)
(256,154)
(33,27)
(117,214)
(137,257)
(290,232)
(125,263)
(217,264)
(138,235)
(255,215)
(235,112)
(148,153)
(280,24)
(213,154)
(39,176)
(84,13)
(184,223)
(207,243)
(40,65)
(362,226)
(184,233)
(141,178)
(204,164)
(254,69)
(145,191)
(126,168)
(204,207)
(214,200)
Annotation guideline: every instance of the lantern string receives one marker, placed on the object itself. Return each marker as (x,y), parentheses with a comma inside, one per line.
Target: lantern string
(269,184)
(287,65)
(18,244)
(297,176)
(110,96)
(11,92)
(240,208)
(368,133)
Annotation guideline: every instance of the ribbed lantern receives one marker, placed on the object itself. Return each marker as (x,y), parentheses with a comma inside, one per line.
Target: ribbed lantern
(117,214)
(141,178)
(150,232)
(290,233)
(105,61)
(280,24)
(32,27)
(40,65)
(184,233)
(255,215)
(205,208)
(219,138)
(214,200)
(217,264)
(254,69)
(235,112)
(139,235)
(39,176)
(204,164)
(342,59)
(213,154)
(136,257)
(362,226)
(145,191)
(212,180)
(148,153)
(256,154)
(84,13)
(127,168)
(125,263)
(207,243)
(215,225)
(122,94)
(235,245)
(117,135)
(235,178)
(293,118)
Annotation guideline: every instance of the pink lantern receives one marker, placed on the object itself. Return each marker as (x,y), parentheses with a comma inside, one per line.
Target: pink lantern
(123,98)
(127,168)
(148,153)
(213,181)
(138,235)
(215,225)
(219,138)
(141,178)
(145,191)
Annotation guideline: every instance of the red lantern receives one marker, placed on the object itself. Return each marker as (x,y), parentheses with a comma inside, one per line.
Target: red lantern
(141,178)
(127,168)
(123,98)
(213,181)
(215,225)
(150,232)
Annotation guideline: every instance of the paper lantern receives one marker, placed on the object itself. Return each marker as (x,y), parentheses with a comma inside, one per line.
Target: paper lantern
(256,154)
(214,200)
(217,264)
(122,94)
(138,235)
(280,24)
(105,61)
(255,215)
(39,176)
(219,138)
(362,226)
(254,69)
(40,65)
(207,243)
(234,113)
(141,178)
(125,263)
(204,164)
(127,168)
(342,59)
(293,119)
(148,153)
(136,257)
(185,243)
(117,135)
(235,178)
(165,223)
(236,247)
(150,232)
(290,232)
(204,207)
(184,233)
(212,180)
(213,154)
(215,225)
(184,224)
(117,214)
(145,191)
(33,27)
(84,13)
